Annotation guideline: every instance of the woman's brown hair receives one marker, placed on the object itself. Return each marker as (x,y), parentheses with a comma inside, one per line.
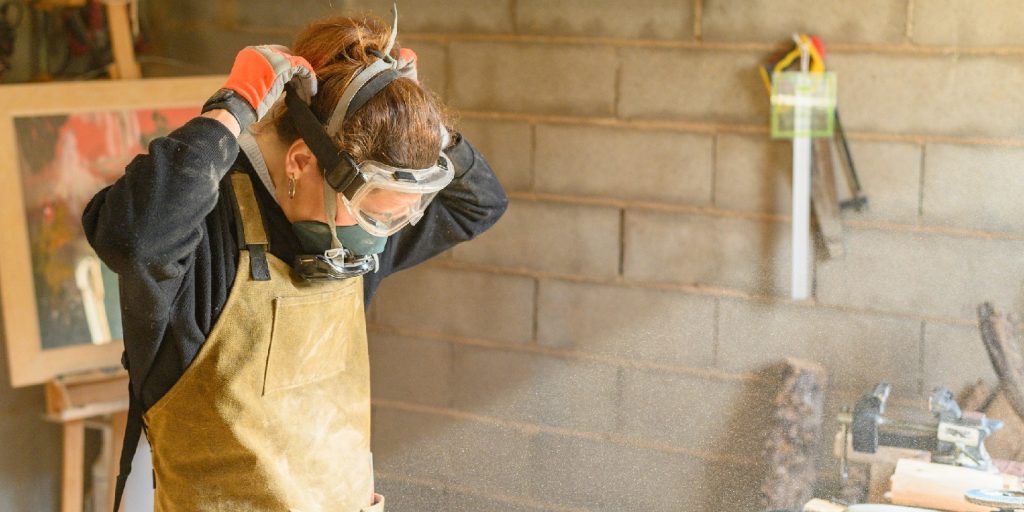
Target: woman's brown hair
(399,126)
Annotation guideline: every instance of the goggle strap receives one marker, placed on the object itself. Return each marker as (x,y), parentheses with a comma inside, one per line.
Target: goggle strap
(358,81)
(368,91)
(354,185)
(343,109)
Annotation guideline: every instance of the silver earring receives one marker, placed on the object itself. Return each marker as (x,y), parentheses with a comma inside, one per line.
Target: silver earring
(291,188)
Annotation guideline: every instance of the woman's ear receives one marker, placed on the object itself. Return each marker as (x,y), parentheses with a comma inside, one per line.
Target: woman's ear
(299,161)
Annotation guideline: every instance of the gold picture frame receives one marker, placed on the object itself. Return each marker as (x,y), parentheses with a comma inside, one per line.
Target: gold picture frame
(25,110)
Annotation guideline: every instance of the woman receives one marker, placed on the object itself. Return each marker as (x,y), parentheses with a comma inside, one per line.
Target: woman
(243,273)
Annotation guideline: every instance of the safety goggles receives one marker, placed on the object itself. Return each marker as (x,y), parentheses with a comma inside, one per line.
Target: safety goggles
(391,198)
(382,199)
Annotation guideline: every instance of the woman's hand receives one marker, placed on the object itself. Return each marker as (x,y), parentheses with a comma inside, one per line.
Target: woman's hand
(407,63)
(256,81)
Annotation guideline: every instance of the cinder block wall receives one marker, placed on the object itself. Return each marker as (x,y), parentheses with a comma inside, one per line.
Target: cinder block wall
(602,348)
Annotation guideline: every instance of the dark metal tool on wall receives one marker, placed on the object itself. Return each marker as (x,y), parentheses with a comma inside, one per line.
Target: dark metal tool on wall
(953,437)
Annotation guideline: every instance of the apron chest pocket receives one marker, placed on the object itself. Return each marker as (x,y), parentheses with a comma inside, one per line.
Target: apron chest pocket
(310,340)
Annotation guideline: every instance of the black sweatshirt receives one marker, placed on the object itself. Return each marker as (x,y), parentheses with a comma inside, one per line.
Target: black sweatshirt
(167,228)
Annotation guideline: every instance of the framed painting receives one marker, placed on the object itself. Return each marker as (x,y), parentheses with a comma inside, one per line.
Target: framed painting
(61,143)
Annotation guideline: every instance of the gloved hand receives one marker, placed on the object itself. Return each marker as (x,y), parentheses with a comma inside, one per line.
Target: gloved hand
(407,63)
(256,81)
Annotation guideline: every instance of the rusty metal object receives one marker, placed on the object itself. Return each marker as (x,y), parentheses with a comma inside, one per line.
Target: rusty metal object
(1000,338)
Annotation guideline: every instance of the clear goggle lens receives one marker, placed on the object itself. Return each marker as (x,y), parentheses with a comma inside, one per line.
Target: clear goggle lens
(386,203)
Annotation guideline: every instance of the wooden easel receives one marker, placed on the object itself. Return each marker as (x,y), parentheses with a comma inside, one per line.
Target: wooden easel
(125,67)
(119,24)
(72,400)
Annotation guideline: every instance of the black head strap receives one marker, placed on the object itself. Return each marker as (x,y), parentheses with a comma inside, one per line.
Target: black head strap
(339,168)
(375,85)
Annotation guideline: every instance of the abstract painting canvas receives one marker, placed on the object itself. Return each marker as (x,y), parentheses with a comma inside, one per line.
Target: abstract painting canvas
(59,145)
(63,161)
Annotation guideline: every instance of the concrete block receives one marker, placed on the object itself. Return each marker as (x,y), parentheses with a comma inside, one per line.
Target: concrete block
(445,16)
(605,477)
(508,148)
(458,303)
(187,11)
(31,464)
(695,413)
(935,275)
(858,350)
(836,21)
(481,456)
(979,95)
(701,85)
(295,14)
(974,187)
(410,369)
(569,239)
(631,323)
(207,51)
(431,66)
(754,173)
(963,23)
(461,501)
(624,164)
(405,496)
(409,444)
(534,78)
(955,357)
(535,388)
(643,19)
(717,251)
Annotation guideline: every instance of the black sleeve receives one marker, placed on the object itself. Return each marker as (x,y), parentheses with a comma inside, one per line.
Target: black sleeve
(471,204)
(150,219)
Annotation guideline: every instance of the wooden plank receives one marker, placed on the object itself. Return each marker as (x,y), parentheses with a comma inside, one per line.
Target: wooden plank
(56,397)
(53,4)
(121,41)
(108,388)
(118,422)
(67,395)
(72,479)
(88,411)
(941,486)
(817,505)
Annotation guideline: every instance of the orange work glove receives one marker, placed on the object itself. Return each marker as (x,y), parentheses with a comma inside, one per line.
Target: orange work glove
(257,79)
(407,63)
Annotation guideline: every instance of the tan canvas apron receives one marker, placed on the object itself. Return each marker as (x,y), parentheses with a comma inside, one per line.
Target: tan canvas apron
(274,412)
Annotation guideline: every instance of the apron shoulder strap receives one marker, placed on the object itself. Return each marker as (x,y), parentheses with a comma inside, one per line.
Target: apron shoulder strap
(253,234)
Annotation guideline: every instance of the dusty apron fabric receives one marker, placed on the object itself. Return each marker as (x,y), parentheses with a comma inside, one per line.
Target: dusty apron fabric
(274,412)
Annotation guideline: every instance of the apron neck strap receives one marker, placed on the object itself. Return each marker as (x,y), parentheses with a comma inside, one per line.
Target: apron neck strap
(249,221)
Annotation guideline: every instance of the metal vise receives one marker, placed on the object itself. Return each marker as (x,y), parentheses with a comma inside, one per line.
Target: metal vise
(953,438)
